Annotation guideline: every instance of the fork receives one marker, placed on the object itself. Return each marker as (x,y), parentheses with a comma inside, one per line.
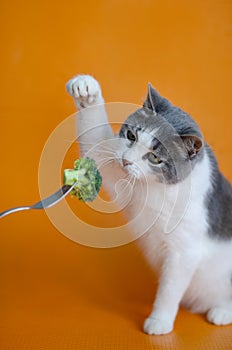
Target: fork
(44,203)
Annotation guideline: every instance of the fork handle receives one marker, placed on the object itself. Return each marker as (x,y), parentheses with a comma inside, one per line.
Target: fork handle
(13,210)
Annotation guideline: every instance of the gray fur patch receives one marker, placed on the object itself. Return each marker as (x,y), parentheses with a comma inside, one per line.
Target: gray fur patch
(219,203)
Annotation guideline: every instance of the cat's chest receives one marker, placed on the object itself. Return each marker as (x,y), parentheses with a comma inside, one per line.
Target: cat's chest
(169,223)
(167,210)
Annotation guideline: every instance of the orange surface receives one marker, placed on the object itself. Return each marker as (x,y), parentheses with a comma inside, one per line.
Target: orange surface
(57,294)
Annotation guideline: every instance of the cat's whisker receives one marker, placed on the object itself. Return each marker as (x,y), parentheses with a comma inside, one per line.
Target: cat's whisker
(122,199)
(108,152)
(134,180)
(108,148)
(105,162)
(84,143)
(130,183)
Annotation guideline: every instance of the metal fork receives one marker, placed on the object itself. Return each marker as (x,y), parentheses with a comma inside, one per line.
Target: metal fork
(45,203)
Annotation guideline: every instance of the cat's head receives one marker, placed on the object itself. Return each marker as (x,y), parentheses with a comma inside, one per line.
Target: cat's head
(160,141)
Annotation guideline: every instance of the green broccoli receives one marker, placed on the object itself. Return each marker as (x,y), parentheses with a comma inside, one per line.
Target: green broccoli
(88,179)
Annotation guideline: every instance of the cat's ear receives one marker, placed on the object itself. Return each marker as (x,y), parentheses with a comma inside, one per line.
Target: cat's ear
(155,101)
(193,144)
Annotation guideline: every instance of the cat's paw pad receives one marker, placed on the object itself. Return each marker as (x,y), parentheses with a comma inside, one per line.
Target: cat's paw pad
(157,326)
(85,89)
(219,316)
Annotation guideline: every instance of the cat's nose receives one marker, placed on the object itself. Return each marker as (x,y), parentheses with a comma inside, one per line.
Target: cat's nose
(126,162)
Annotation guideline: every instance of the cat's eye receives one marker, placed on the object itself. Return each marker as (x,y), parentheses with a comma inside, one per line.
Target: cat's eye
(131,136)
(153,158)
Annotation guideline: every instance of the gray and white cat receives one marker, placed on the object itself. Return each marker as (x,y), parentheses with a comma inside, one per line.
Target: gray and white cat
(185,203)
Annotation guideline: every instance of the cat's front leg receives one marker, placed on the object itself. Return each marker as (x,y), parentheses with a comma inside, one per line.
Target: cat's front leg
(94,134)
(92,121)
(175,278)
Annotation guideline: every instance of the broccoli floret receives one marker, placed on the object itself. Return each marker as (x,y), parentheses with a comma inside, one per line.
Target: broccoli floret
(88,179)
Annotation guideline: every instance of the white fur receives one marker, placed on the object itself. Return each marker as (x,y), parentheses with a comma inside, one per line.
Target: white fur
(195,270)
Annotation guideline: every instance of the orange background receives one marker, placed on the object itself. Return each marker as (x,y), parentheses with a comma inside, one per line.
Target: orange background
(56,294)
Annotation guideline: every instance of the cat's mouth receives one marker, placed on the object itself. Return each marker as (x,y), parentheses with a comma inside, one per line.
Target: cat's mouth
(130,167)
(126,162)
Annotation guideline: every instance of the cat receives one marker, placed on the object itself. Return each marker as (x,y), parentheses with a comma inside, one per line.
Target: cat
(185,203)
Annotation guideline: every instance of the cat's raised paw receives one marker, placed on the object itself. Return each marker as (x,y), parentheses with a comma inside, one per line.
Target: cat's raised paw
(85,90)
(219,316)
(156,326)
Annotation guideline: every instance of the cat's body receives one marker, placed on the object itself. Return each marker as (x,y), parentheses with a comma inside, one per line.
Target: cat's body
(180,200)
